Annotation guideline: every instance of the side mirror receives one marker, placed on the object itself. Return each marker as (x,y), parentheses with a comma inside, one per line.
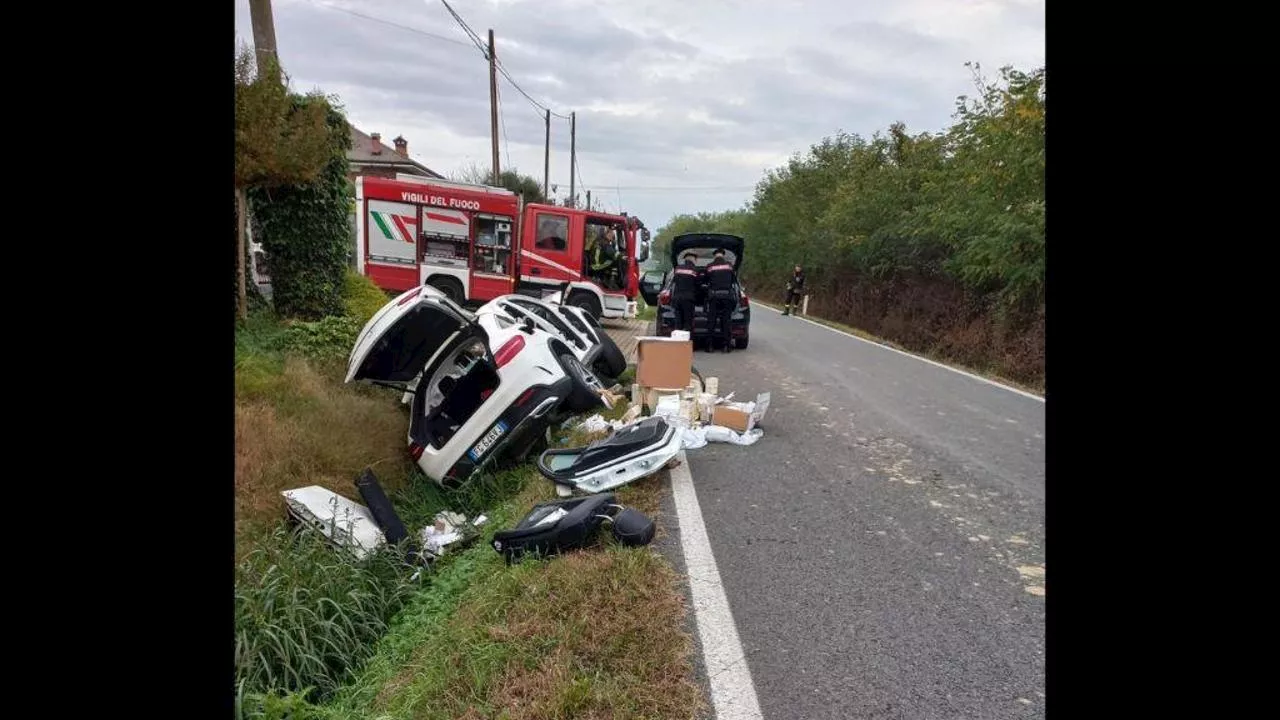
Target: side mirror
(644,251)
(527,326)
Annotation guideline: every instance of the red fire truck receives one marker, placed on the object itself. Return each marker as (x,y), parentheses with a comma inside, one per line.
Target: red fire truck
(476,242)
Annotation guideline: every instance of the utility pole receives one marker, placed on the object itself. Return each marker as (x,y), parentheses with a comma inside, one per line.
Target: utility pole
(573,154)
(264,36)
(546,162)
(588,199)
(493,106)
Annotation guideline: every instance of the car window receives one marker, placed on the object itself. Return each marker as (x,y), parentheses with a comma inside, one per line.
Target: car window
(551,318)
(553,232)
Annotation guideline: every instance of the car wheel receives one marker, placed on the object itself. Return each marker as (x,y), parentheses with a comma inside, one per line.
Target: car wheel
(741,343)
(451,288)
(585,394)
(611,363)
(587,302)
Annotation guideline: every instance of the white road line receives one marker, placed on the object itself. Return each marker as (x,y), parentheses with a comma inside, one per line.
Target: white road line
(733,695)
(958,371)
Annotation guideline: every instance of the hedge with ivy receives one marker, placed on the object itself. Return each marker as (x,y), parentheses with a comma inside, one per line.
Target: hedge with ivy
(305,231)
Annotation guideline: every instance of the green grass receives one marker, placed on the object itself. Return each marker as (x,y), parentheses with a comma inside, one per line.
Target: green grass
(984,372)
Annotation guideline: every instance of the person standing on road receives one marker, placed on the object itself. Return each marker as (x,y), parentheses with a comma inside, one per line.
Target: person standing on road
(684,290)
(723,297)
(795,290)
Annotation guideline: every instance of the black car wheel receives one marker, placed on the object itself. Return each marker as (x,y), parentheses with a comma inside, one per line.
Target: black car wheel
(585,394)
(741,343)
(611,362)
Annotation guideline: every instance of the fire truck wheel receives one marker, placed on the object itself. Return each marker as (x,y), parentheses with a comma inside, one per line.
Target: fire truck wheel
(586,301)
(450,287)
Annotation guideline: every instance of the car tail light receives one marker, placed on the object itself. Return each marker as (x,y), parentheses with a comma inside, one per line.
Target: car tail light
(410,296)
(509,350)
(664,297)
(744,301)
(415,450)
(524,397)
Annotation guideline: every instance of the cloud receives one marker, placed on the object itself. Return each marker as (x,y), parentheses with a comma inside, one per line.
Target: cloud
(681,106)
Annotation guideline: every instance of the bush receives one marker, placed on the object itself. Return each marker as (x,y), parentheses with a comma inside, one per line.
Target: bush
(306,615)
(306,233)
(361,298)
(330,337)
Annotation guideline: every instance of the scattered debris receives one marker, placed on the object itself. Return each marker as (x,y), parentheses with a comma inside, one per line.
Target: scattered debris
(560,525)
(449,529)
(742,417)
(348,525)
(632,452)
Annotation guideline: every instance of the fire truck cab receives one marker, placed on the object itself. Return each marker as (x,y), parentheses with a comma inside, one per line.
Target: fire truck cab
(558,252)
(476,242)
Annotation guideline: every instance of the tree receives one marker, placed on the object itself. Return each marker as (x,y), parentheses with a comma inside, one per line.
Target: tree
(278,142)
(510,179)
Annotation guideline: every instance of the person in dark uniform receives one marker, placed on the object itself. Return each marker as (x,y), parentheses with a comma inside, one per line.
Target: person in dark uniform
(684,291)
(722,296)
(795,290)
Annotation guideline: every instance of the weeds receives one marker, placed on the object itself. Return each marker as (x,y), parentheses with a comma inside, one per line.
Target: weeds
(330,337)
(305,615)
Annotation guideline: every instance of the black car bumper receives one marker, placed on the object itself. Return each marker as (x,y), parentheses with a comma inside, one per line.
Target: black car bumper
(739,322)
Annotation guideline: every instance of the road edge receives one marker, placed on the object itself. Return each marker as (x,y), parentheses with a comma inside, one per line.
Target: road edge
(733,693)
(921,358)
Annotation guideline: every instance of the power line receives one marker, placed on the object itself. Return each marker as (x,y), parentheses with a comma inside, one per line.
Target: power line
(501,68)
(581,180)
(666,188)
(467,29)
(503,118)
(388,22)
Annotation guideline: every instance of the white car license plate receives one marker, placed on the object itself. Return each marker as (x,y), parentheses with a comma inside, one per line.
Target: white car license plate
(488,440)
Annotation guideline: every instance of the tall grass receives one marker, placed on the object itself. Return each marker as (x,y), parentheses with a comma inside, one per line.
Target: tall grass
(306,616)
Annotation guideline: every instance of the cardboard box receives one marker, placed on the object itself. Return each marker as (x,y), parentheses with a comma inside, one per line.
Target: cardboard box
(663,362)
(649,396)
(741,417)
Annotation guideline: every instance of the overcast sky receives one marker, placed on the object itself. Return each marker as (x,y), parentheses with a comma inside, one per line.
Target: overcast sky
(681,105)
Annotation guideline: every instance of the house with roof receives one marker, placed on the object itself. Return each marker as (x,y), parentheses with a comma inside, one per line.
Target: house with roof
(369,156)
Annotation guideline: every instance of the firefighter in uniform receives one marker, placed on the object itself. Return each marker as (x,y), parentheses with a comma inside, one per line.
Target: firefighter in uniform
(795,290)
(722,296)
(684,290)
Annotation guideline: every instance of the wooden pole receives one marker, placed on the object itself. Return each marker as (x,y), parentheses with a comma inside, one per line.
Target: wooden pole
(573,156)
(493,107)
(264,37)
(242,219)
(546,162)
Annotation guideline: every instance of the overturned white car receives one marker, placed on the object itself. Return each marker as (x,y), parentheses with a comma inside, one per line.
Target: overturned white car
(482,384)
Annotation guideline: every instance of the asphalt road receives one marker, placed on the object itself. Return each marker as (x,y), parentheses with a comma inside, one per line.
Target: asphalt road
(882,546)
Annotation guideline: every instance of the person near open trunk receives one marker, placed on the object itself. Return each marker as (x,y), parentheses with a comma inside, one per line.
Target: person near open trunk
(684,291)
(795,290)
(722,298)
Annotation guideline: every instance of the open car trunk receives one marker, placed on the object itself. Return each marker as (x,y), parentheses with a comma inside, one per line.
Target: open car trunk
(705,245)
